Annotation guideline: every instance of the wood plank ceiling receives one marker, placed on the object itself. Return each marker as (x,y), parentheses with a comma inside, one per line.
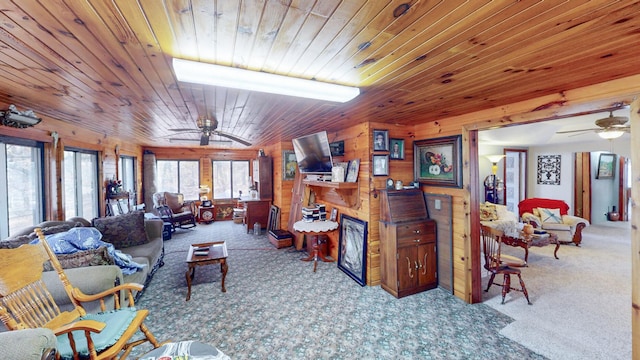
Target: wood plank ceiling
(106,65)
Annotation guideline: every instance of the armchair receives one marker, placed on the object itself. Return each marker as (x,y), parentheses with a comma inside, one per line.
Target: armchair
(172,208)
(28,344)
(552,215)
(27,303)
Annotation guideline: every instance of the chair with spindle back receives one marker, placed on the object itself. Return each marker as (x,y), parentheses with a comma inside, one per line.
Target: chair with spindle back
(491,248)
(25,302)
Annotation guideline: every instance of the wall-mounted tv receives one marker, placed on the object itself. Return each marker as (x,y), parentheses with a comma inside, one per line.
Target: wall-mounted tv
(313,153)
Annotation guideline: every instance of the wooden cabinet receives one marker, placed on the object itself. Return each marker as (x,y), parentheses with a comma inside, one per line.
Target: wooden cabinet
(408,249)
(263,176)
(256,211)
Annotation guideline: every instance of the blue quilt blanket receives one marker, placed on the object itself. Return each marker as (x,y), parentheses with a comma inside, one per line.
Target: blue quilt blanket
(88,238)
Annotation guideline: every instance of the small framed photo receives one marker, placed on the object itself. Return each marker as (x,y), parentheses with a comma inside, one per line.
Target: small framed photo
(380,140)
(354,168)
(397,149)
(438,162)
(352,248)
(606,166)
(334,214)
(289,165)
(380,165)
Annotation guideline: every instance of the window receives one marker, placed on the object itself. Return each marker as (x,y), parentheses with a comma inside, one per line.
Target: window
(179,176)
(127,171)
(230,178)
(81,183)
(22,200)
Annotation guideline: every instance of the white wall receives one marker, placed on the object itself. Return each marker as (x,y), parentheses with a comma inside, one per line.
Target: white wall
(603,191)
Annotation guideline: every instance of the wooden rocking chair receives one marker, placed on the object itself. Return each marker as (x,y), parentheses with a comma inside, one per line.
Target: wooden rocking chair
(25,302)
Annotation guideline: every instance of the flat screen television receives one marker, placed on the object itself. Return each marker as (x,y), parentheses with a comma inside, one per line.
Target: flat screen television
(313,153)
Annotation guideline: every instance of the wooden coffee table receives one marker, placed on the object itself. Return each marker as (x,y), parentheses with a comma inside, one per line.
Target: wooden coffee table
(526,242)
(217,253)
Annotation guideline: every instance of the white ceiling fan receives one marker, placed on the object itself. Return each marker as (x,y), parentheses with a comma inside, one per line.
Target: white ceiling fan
(607,128)
(207,127)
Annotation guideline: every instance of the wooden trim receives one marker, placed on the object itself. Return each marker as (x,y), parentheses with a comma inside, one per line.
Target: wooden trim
(472,252)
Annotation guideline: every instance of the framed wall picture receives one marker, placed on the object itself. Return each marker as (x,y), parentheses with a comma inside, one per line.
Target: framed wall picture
(352,248)
(438,161)
(334,214)
(380,165)
(289,165)
(397,149)
(606,166)
(380,140)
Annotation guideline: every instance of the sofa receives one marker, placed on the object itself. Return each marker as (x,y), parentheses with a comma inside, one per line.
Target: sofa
(131,233)
(28,344)
(552,216)
(499,217)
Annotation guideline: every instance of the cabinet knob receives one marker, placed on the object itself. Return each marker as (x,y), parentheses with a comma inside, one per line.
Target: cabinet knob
(416,231)
(416,240)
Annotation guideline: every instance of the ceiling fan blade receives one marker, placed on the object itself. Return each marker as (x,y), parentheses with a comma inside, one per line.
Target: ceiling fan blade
(233,137)
(204,140)
(185,130)
(574,131)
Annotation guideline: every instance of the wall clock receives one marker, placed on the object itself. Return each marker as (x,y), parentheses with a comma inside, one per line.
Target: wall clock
(206,215)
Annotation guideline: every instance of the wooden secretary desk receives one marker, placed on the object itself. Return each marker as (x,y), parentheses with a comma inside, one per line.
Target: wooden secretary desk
(407,243)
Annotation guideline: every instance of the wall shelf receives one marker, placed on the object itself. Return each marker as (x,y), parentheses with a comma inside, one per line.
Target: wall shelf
(339,193)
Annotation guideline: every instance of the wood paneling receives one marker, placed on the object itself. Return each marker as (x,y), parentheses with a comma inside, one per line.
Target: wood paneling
(106,66)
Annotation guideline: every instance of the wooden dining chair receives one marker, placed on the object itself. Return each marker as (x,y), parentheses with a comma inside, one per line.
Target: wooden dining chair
(25,302)
(491,248)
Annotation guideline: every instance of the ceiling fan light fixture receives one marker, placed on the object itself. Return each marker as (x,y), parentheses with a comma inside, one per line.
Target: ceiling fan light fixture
(609,134)
(217,75)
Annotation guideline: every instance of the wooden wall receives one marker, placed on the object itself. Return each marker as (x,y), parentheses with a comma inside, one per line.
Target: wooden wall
(72,136)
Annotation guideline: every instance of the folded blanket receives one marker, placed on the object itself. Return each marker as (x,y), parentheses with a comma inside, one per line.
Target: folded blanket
(87,238)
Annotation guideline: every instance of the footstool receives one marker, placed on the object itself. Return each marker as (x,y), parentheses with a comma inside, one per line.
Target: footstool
(178,350)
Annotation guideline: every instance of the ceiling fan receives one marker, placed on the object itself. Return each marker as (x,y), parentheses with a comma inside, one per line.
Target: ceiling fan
(207,127)
(607,128)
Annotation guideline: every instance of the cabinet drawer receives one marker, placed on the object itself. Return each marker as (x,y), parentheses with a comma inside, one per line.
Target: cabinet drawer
(412,230)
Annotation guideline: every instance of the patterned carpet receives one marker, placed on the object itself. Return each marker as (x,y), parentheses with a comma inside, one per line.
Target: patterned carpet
(276,307)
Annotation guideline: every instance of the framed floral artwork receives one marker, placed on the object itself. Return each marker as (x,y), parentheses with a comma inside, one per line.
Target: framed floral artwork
(438,161)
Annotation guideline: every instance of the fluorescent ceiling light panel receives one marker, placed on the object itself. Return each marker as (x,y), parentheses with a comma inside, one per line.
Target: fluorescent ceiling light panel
(210,74)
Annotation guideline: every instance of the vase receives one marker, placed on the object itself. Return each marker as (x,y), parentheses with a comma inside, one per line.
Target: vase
(613,215)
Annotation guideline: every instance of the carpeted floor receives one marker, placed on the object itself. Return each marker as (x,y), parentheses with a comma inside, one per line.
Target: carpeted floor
(276,307)
(581,302)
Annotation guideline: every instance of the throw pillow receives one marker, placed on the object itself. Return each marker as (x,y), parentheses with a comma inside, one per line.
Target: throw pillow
(92,257)
(123,230)
(488,212)
(504,214)
(550,215)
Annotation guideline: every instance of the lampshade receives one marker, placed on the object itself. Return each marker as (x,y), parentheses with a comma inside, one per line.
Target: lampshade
(610,133)
(210,74)
(494,162)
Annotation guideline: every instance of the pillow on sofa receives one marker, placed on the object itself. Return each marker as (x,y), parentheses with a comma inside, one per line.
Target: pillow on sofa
(504,214)
(550,216)
(488,212)
(123,230)
(92,257)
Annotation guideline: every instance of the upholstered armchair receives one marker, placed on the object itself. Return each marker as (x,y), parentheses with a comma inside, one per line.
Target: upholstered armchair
(552,215)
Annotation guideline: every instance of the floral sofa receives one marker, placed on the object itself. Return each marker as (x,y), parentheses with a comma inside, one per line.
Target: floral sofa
(552,215)
(497,216)
(131,233)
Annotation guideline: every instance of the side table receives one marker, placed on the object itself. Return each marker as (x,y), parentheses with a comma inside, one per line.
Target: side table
(317,231)
(217,253)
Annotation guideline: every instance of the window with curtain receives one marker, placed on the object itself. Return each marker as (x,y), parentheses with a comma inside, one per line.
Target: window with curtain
(127,171)
(21,194)
(179,176)
(81,183)
(230,178)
